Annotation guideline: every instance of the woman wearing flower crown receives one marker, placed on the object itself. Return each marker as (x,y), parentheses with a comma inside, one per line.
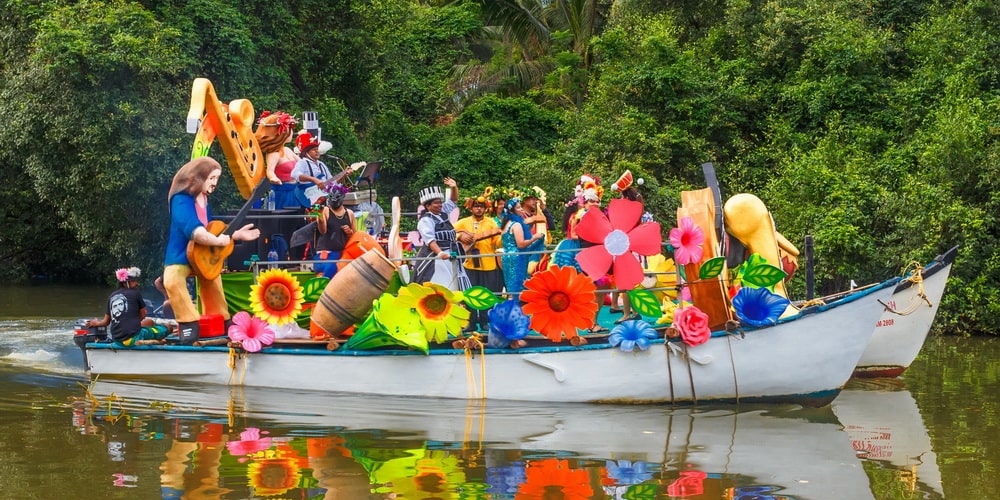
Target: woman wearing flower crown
(516,238)
(435,263)
(335,226)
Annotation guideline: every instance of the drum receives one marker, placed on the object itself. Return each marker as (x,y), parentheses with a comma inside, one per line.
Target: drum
(348,297)
(359,243)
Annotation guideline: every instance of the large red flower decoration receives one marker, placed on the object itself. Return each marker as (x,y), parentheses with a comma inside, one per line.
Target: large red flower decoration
(617,238)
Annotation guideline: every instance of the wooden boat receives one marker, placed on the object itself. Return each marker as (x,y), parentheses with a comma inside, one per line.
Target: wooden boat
(901,330)
(805,358)
(790,451)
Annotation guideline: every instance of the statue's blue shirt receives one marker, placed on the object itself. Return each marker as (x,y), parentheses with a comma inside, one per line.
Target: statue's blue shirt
(183,221)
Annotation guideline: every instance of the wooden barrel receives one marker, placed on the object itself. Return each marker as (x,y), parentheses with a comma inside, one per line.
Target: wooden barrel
(348,297)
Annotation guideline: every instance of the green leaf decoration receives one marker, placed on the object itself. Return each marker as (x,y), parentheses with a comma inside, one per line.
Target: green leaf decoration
(395,283)
(682,273)
(313,289)
(712,268)
(763,276)
(480,298)
(641,492)
(645,303)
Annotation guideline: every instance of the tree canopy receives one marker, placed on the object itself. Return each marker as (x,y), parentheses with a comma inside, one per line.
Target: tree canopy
(871,126)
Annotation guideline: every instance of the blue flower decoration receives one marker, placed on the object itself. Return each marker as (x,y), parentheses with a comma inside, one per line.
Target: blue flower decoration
(626,472)
(507,479)
(507,323)
(759,306)
(631,334)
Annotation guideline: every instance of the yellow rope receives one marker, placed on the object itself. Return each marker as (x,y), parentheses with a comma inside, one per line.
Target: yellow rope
(916,277)
(472,343)
(813,302)
(234,356)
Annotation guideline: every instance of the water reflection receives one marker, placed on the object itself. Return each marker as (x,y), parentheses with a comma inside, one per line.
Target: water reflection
(233,443)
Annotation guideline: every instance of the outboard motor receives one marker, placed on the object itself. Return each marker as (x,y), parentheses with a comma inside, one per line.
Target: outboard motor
(84,335)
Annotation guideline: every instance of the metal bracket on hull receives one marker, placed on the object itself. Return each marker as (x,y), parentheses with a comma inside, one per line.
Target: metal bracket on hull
(536,359)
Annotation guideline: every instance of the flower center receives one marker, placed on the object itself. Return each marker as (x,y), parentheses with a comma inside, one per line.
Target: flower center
(559,301)
(616,242)
(277,296)
(435,304)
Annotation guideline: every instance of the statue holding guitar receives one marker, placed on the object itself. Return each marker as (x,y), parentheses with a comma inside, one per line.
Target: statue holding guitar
(198,245)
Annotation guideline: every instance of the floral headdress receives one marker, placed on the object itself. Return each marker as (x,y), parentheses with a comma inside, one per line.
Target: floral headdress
(587,188)
(284,121)
(125,274)
(486,199)
(335,186)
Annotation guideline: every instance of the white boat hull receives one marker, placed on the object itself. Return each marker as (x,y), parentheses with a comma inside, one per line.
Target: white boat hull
(806,359)
(898,337)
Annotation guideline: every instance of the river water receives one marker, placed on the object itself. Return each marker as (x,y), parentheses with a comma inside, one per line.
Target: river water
(933,433)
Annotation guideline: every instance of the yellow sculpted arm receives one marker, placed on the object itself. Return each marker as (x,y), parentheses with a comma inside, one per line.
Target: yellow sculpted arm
(209,119)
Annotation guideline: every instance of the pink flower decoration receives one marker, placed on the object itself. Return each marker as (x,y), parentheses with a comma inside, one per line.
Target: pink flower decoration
(617,240)
(693,324)
(121,274)
(251,331)
(687,241)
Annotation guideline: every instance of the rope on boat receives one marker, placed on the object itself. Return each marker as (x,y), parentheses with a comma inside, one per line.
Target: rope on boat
(235,355)
(472,343)
(917,278)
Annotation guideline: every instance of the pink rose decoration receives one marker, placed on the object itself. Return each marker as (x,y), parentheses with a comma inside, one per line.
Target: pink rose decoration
(252,332)
(693,324)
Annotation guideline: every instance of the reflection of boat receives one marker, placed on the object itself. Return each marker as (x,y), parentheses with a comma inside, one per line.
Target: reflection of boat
(902,329)
(801,453)
(885,427)
(806,358)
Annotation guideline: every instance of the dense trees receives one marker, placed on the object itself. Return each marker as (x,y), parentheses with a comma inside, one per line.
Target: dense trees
(870,125)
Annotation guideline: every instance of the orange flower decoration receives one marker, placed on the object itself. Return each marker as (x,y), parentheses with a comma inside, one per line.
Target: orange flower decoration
(275,471)
(553,478)
(277,297)
(559,301)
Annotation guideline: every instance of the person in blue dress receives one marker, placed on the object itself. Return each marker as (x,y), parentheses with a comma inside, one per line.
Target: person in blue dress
(516,238)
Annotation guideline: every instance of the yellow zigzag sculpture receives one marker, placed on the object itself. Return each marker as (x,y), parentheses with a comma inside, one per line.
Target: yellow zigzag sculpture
(209,119)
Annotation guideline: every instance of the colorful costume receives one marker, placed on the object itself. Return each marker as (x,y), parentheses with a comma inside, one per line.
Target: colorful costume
(482,271)
(515,261)
(437,227)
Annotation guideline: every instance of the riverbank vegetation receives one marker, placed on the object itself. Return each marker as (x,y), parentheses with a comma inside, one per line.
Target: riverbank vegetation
(870,125)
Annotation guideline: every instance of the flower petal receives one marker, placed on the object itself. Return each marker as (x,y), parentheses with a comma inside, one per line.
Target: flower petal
(628,272)
(593,226)
(595,261)
(646,239)
(624,214)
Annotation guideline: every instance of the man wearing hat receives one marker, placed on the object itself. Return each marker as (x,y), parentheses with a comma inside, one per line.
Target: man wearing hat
(434,260)
(484,240)
(311,174)
(126,313)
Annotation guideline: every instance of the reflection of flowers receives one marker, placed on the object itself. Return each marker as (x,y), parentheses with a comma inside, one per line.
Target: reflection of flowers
(617,239)
(437,474)
(559,301)
(628,472)
(250,442)
(759,306)
(693,325)
(687,240)
(274,472)
(689,484)
(250,331)
(507,323)
(438,308)
(553,478)
(631,334)
(277,297)
(505,480)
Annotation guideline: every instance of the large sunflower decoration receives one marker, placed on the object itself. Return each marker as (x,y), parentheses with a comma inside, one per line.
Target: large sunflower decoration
(439,309)
(277,297)
(559,301)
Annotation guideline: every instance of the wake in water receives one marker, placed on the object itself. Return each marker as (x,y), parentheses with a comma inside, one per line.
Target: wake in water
(43,344)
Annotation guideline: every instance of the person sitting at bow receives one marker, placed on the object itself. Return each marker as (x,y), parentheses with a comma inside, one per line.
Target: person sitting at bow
(125,316)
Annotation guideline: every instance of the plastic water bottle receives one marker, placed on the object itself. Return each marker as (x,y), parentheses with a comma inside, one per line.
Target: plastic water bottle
(272,256)
(270,200)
